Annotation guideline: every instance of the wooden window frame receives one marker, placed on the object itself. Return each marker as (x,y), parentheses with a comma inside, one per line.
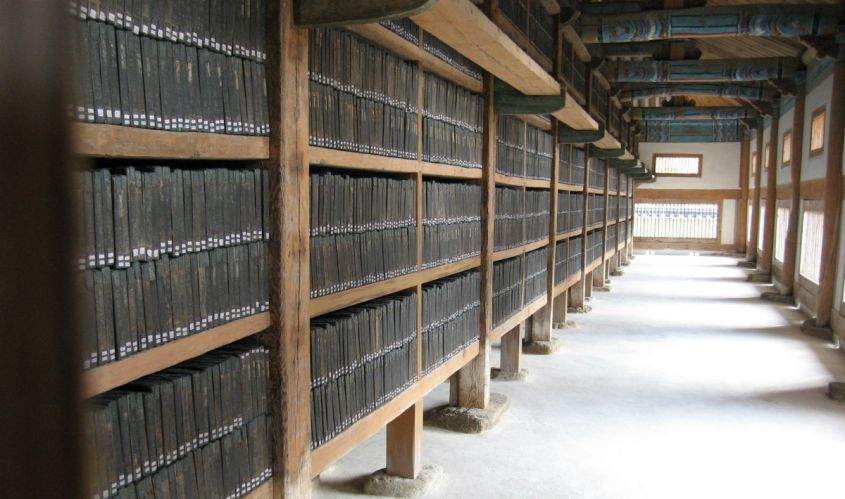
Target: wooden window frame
(821,111)
(787,139)
(677,155)
(679,200)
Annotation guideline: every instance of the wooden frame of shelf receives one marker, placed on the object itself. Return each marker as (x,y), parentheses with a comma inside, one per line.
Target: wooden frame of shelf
(512,321)
(519,250)
(567,283)
(531,183)
(569,235)
(569,187)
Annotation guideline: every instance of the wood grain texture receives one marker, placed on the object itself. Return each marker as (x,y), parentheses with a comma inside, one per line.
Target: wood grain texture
(688,194)
(764,261)
(404,442)
(511,350)
(526,312)
(790,257)
(114,374)
(741,223)
(320,156)
(263,491)
(115,141)
(520,250)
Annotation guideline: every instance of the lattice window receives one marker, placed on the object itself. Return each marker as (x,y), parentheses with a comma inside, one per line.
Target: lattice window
(676,220)
(786,154)
(817,132)
(677,165)
(781,224)
(748,221)
(761,225)
(811,240)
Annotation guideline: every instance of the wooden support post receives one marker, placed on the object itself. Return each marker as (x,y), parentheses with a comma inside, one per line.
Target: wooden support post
(832,190)
(289,338)
(751,252)
(764,263)
(511,350)
(787,279)
(471,385)
(588,284)
(41,362)
(560,306)
(741,223)
(404,442)
(575,294)
(597,277)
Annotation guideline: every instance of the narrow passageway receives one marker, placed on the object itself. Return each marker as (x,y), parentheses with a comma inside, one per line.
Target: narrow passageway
(681,383)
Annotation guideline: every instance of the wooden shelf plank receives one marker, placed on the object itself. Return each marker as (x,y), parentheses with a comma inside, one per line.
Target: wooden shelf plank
(538,183)
(354,296)
(115,141)
(611,222)
(627,155)
(463,26)
(103,378)
(607,142)
(534,183)
(566,284)
(519,250)
(593,190)
(536,121)
(593,265)
(322,457)
(595,226)
(518,317)
(441,170)
(408,51)
(321,156)
(575,116)
(567,235)
(263,491)
(570,188)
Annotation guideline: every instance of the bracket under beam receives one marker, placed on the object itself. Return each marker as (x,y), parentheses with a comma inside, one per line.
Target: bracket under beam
(747,91)
(316,13)
(510,101)
(692,113)
(710,70)
(567,135)
(596,152)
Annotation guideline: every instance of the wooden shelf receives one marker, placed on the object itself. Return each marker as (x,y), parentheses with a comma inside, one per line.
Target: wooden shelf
(103,378)
(592,266)
(607,142)
(569,187)
(609,253)
(322,457)
(536,121)
(263,491)
(566,284)
(321,156)
(570,234)
(115,141)
(463,26)
(510,253)
(516,318)
(627,155)
(593,190)
(575,116)
(611,222)
(406,50)
(595,226)
(354,296)
(502,179)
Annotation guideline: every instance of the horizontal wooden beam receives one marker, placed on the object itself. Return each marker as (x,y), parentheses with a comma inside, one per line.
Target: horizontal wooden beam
(693,131)
(659,50)
(611,8)
(760,69)
(734,20)
(623,163)
(314,13)
(566,135)
(692,113)
(747,91)
(596,152)
(510,101)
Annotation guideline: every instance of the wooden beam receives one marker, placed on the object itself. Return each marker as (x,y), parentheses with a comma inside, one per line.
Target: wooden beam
(833,190)
(660,50)
(315,13)
(693,131)
(511,349)
(710,70)
(596,152)
(509,101)
(764,262)
(404,442)
(751,252)
(741,223)
(692,113)
(566,135)
(289,338)
(748,91)
(787,279)
(701,22)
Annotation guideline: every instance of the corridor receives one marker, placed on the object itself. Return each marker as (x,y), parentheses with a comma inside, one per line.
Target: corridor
(702,391)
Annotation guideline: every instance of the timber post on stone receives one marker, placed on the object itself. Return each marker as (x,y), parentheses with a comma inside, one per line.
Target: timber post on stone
(832,191)
(764,262)
(787,279)
(755,207)
(742,206)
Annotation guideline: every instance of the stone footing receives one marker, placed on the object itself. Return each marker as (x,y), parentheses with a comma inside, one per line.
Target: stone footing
(746,264)
(617,273)
(500,375)
(604,289)
(583,309)
(759,277)
(384,485)
(564,325)
(465,420)
(822,332)
(776,297)
(836,391)
(542,347)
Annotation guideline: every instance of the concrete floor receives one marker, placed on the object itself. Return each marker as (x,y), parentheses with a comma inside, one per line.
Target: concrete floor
(680,384)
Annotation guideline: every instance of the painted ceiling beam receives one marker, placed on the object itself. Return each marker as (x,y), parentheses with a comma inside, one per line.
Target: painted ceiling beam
(748,91)
(692,113)
(734,20)
(693,131)
(314,13)
(610,8)
(660,50)
(761,69)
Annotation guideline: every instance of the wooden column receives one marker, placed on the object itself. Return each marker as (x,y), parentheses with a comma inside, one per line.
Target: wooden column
(832,190)
(471,385)
(404,442)
(751,252)
(559,309)
(742,207)
(511,349)
(787,278)
(40,363)
(764,262)
(289,338)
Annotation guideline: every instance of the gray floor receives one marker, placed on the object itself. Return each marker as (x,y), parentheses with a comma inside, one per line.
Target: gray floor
(680,384)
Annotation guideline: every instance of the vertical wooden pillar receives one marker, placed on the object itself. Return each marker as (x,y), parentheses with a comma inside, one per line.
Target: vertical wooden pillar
(796,159)
(559,309)
(471,385)
(40,363)
(832,190)
(589,281)
(404,442)
(764,262)
(290,377)
(742,208)
(751,251)
(511,350)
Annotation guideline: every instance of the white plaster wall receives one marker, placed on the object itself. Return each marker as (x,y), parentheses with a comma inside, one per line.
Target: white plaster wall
(728,221)
(719,169)
(764,179)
